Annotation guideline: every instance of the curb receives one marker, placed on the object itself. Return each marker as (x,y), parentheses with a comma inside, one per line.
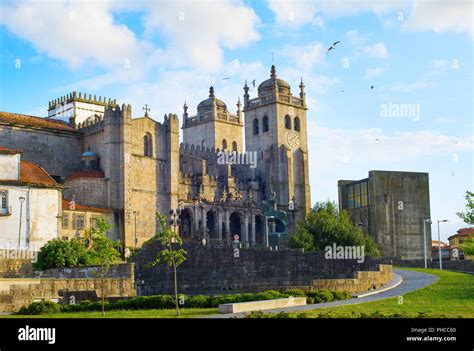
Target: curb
(386,288)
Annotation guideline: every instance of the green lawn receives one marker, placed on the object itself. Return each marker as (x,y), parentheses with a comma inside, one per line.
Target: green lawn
(452,296)
(184,313)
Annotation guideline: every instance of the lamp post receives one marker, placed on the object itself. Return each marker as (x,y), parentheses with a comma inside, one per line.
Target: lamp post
(439,246)
(424,238)
(271,218)
(22,199)
(135,214)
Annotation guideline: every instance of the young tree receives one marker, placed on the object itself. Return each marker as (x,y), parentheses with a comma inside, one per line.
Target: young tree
(103,252)
(326,225)
(468,216)
(172,256)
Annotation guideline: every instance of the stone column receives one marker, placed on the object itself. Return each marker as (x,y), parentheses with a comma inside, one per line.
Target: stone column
(252,233)
(227,226)
(219,224)
(204,221)
(246,227)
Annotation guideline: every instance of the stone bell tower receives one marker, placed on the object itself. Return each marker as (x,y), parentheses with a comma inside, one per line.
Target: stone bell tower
(213,126)
(275,124)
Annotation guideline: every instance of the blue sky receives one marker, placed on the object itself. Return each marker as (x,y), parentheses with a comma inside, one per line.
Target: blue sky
(414,53)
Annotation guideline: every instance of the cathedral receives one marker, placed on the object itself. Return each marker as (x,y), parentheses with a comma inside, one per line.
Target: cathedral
(104,158)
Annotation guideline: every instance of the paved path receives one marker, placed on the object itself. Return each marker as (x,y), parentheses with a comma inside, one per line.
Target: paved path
(411,281)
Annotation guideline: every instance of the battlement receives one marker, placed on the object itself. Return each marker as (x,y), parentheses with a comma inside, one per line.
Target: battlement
(79,97)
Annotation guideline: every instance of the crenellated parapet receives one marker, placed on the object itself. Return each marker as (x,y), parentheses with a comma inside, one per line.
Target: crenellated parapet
(81,97)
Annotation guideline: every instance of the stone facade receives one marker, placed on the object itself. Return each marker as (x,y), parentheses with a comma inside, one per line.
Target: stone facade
(391,207)
(136,166)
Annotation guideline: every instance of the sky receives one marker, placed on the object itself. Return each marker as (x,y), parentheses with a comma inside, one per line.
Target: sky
(396,93)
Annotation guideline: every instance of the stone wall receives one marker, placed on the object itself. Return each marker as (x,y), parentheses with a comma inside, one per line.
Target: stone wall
(362,281)
(210,270)
(56,151)
(15,267)
(118,283)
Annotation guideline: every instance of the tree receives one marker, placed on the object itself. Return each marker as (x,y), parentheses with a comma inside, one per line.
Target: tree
(326,225)
(468,216)
(468,246)
(103,252)
(173,257)
(58,253)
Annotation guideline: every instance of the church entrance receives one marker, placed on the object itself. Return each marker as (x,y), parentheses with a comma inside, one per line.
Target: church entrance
(235,226)
(186,224)
(211,224)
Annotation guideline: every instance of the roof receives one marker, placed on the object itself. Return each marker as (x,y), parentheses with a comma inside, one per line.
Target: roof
(436,243)
(33,174)
(69,206)
(32,121)
(85,174)
(463,232)
(208,104)
(6,151)
(267,85)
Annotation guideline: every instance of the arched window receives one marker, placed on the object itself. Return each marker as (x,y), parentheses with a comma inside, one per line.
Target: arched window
(224,144)
(148,145)
(234,146)
(255,126)
(297,123)
(265,124)
(287,122)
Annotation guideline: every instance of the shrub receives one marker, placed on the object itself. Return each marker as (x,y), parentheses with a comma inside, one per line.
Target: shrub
(59,253)
(36,308)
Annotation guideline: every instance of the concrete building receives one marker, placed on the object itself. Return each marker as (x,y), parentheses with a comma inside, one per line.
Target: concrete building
(391,207)
(135,166)
(30,203)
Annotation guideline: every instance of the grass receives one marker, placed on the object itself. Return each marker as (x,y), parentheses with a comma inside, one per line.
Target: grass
(184,313)
(452,296)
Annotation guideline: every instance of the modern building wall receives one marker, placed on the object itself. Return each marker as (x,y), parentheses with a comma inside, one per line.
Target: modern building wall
(397,204)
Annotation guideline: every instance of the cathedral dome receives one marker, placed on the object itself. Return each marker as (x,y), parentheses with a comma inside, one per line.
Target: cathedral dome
(208,104)
(267,86)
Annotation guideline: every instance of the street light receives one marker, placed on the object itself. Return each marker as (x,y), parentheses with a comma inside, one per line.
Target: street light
(439,246)
(22,199)
(429,221)
(271,218)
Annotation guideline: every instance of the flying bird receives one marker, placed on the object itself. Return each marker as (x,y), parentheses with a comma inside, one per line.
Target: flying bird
(371,87)
(225,78)
(253,83)
(333,46)
(380,141)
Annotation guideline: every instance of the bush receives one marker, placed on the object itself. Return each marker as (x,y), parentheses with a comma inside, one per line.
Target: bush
(36,308)
(203,301)
(59,253)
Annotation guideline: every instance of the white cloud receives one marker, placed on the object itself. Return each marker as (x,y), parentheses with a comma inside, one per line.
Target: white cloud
(304,56)
(371,73)
(75,32)
(411,87)
(441,16)
(198,31)
(361,146)
(434,15)
(293,13)
(378,50)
